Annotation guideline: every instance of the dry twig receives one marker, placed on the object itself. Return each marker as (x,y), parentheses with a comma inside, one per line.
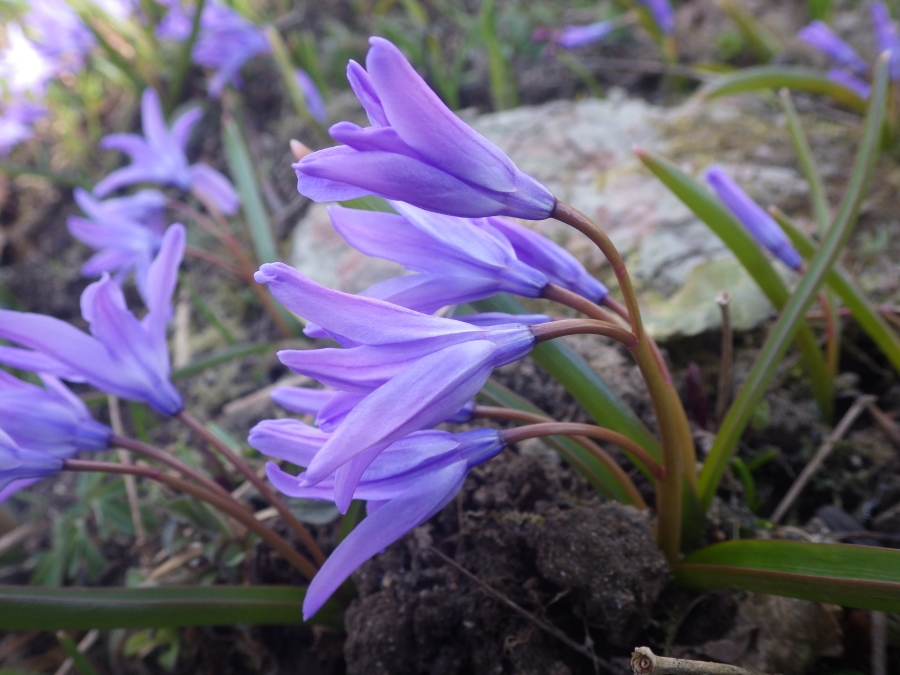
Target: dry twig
(723,396)
(645,662)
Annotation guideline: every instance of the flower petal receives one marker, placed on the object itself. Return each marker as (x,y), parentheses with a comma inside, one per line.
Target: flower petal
(213,186)
(290,440)
(181,127)
(362,86)
(301,400)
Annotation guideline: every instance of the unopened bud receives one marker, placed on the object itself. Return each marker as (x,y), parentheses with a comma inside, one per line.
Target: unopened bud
(299,150)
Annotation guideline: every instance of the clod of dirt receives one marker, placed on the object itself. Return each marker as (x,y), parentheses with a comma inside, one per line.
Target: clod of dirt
(607,556)
(533,532)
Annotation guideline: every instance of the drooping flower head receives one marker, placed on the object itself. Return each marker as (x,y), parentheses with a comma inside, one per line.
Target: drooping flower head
(314,101)
(126,231)
(886,36)
(409,482)
(859,86)
(416,151)
(122,355)
(226,41)
(759,224)
(573,37)
(16,123)
(402,371)
(23,464)
(663,16)
(818,35)
(158,157)
(48,419)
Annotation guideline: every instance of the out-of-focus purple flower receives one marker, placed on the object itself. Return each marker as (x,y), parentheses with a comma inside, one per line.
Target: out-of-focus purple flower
(410,371)
(457,261)
(21,464)
(226,41)
(886,36)
(559,266)
(408,483)
(59,33)
(315,104)
(122,356)
(572,37)
(416,151)
(158,157)
(663,16)
(127,233)
(851,81)
(49,419)
(759,224)
(23,68)
(819,36)
(16,123)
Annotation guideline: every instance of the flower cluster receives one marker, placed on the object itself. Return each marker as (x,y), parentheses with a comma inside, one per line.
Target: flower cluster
(851,67)
(400,370)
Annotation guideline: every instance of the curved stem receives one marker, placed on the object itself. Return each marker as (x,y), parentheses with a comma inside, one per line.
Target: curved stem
(575,218)
(267,492)
(232,507)
(577,302)
(519,434)
(166,459)
(496,413)
(555,329)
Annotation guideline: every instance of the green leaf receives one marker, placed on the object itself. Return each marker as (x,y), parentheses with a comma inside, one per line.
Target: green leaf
(729,229)
(79,660)
(40,608)
(762,40)
(817,195)
(227,354)
(871,321)
(580,381)
(241,168)
(793,313)
(589,466)
(842,574)
(776,77)
(503,84)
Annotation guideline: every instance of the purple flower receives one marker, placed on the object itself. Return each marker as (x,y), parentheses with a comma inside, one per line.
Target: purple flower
(408,371)
(20,464)
(416,151)
(572,37)
(408,483)
(16,123)
(122,356)
(818,35)
(559,266)
(158,157)
(302,400)
(457,261)
(851,81)
(500,318)
(49,419)
(226,41)
(126,231)
(663,16)
(886,36)
(314,102)
(760,224)
(59,33)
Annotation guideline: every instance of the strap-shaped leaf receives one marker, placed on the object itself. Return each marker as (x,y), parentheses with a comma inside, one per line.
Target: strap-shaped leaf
(42,608)
(776,77)
(843,574)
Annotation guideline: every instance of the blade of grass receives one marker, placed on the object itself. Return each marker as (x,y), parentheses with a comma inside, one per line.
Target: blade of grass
(183,64)
(821,209)
(792,314)
(842,574)
(503,84)
(282,58)
(44,608)
(241,168)
(79,660)
(762,40)
(580,381)
(721,221)
(227,354)
(776,77)
(871,321)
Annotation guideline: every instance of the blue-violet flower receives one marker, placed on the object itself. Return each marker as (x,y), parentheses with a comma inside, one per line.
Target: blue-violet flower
(572,37)
(158,157)
(18,464)
(122,356)
(416,151)
(759,224)
(818,35)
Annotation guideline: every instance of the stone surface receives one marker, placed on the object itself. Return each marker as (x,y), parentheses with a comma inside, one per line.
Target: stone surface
(582,150)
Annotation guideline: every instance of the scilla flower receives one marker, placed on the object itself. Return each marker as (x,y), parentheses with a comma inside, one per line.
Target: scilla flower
(158,157)
(759,224)
(407,371)
(416,151)
(122,356)
(18,464)
(409,482)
